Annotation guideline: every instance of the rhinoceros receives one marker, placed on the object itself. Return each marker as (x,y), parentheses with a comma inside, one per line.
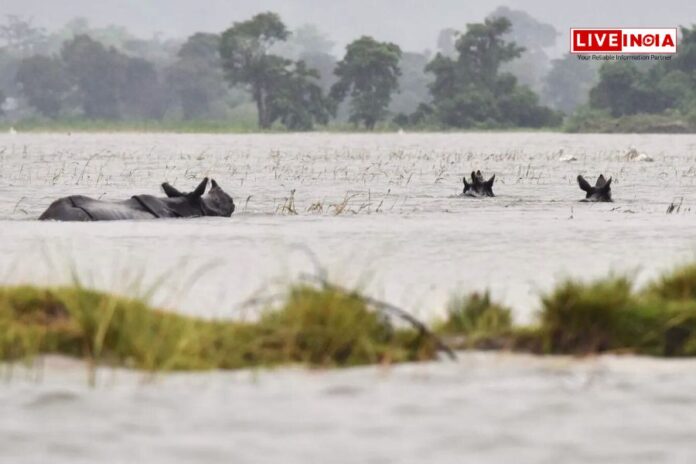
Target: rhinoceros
(175,205)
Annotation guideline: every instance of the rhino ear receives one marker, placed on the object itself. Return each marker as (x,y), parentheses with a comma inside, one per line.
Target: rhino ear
(489,182)
(170,191)
(607,185)
(200,190)
(584,185)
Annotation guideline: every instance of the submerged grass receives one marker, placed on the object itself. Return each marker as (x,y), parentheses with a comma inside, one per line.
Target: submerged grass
(316,327)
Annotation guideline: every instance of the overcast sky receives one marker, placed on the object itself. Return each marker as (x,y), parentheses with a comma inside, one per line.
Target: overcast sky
(413,24)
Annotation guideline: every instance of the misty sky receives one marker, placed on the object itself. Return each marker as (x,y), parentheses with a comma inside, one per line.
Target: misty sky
(412,24)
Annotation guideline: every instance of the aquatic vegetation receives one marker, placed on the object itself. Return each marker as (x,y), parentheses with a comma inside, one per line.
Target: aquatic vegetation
(322,325)
(316,327)
(329,327)
(587,317)
(475,314)
(680,284)
(580,318)
(607,315)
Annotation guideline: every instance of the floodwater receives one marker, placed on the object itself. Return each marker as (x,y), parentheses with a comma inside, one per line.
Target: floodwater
(485,408)
(379,212)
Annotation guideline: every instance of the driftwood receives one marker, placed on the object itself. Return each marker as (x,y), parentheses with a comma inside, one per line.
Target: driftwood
(387,308)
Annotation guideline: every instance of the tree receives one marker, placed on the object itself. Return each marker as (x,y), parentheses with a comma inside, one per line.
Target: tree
(324,64)
(628,88)
(141,94)
(21,37)
(283,90)
(567,84)
(535,36)
(685,60)
(624,90)
(299,101)
(305,40)
(369,72)
(469,90)
(44,83)
(196,78)
(413,83)
(110,84)
(9,64)
(309,44)
(482,50)
(98,73)
(244,49)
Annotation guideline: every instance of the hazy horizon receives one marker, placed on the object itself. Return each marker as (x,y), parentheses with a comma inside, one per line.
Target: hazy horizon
(413,25)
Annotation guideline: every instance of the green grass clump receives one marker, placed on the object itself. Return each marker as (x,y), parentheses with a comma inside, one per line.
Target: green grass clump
(327,326)
(679,284)
(96,326)
(606,315)
(314,326)
(584,318)
(475,321)
(330,327)
(580,318)
(476,314)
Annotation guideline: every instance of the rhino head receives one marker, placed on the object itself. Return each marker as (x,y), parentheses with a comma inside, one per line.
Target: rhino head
(478,187)
(214,203)
(601,191)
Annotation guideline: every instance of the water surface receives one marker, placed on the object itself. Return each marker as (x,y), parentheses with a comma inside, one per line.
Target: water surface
(378,211)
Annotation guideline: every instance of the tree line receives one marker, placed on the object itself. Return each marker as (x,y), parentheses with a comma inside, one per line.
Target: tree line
(491,74)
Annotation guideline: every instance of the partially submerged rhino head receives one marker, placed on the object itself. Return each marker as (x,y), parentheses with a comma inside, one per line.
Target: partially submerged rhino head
(214,203)
(600,192)
(478,187)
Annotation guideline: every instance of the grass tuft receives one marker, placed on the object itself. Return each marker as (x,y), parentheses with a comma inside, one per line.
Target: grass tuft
(606,315)
(314,326)
(476,314)
(679,284)
(327,326)
(586,318)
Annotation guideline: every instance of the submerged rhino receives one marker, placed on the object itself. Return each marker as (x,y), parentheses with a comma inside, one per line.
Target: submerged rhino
(176,205)
(478,186)
(600,192)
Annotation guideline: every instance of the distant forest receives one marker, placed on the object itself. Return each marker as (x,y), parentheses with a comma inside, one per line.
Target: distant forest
(258,74)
